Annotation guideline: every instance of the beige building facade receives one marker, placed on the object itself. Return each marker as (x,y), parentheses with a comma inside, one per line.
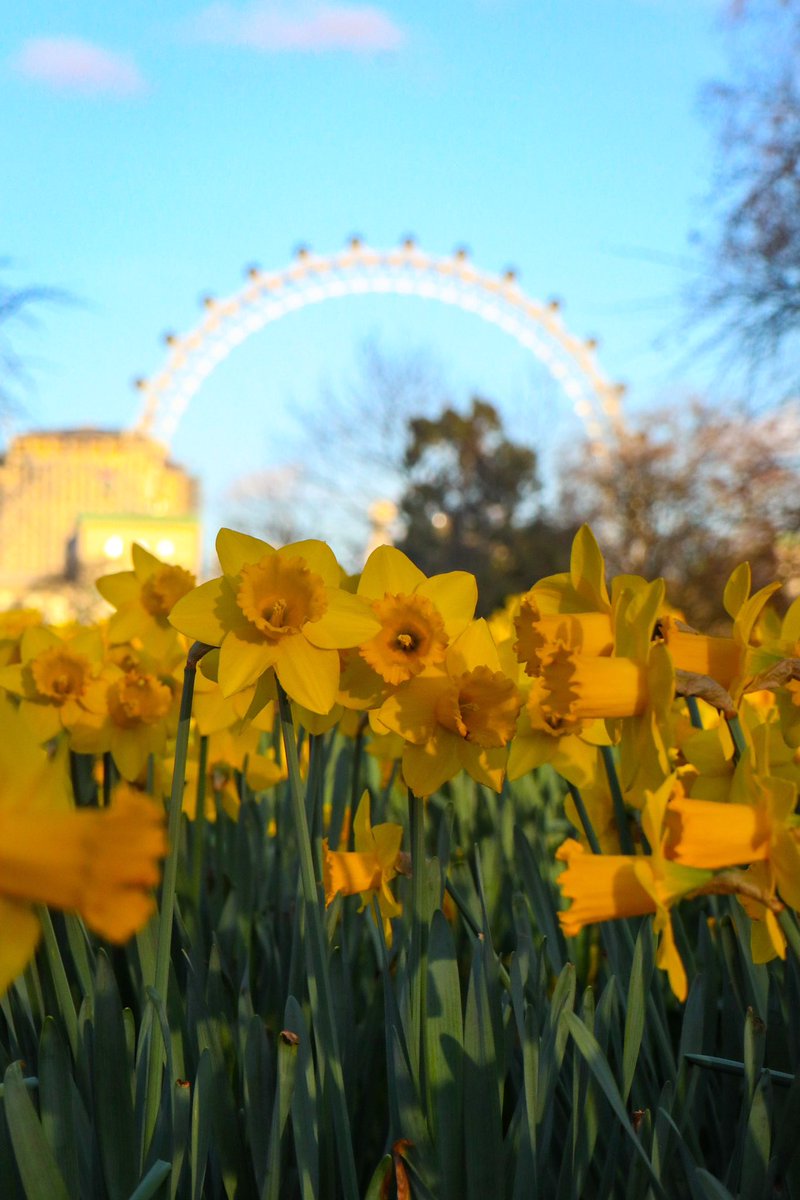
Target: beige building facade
(73,501)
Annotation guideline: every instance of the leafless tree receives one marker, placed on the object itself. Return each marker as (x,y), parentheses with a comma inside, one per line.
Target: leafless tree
(748,296)
(690,492)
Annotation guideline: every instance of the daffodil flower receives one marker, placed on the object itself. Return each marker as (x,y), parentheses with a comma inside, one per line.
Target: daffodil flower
(571,609)
(130,718)
(100,863)
(281,610)
(369,869)
(730,661)
(603,887)
(144,598)
(461,716)
(58,681)
(418,619)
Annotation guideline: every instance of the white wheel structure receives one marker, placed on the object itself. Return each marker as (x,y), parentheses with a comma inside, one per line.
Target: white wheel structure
(358,270)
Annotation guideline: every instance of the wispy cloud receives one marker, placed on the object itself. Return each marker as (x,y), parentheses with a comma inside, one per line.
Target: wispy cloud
(306,28)
(70,64)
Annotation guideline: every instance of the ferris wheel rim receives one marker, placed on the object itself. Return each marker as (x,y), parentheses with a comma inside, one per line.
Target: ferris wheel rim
(360,269)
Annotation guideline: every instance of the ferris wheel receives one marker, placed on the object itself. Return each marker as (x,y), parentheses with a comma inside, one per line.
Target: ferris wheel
(360,269)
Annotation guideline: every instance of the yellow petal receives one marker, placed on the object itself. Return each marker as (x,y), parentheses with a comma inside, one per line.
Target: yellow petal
(145,564)
(129,749)
(455,594)
(242,661)
(347,621)
(587,570)
(667,956)
(349,872)
(36,639)
(737,589)
(362,825)
(307,674)
(319,557)
(473,648)
(131,621)
(389,571)
(43,719)
(411,710)
(388,838)
(785,858)
(427,767)
(197,614)
(120,588)
(486,766)
(234,550)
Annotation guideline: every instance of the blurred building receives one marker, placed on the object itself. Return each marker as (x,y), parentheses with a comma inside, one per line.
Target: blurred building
(71,504)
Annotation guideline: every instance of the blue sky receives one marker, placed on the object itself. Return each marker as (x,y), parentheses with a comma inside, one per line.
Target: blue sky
(150,152)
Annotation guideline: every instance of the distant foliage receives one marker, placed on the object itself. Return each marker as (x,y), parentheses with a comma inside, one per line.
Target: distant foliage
(471,503)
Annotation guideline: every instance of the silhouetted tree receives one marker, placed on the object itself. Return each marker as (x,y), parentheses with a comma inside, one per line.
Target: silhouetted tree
(471,503)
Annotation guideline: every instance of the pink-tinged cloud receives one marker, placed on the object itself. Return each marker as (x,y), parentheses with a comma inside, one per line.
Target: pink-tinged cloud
(312,29)
(70,64)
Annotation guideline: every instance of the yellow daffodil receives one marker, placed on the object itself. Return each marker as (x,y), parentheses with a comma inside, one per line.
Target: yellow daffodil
(369,869)
(587,633)
(419,618)
(758,825)
(277,609)
(131,718)
(605,886)
(58,681)
(144,598)
(12,626)
(570,747)
(767,940)
(730,661)
(99,863)
(462,716)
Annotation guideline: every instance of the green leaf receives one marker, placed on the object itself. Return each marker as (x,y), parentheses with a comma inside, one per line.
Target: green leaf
(379,1183)
(201,1123)
(56,1088)
(756,1155)
(113,1112)
(590,1050)
(35,1160)
(542,901)
(305,1124)
(152,1180)
(444,1045)
(636,1008)
(259,1086)
(711,1187)
(287,1069)
(483,1132)
(181,1131)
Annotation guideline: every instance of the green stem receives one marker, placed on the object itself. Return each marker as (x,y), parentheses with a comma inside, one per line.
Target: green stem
(739,744)
(694,712)
(790,931)
(419,930)
(108,778)
(320,990)
(160,981)
(474,928)
(620,815)
(56,964)
(355,777)
(199,822)
(585,821)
